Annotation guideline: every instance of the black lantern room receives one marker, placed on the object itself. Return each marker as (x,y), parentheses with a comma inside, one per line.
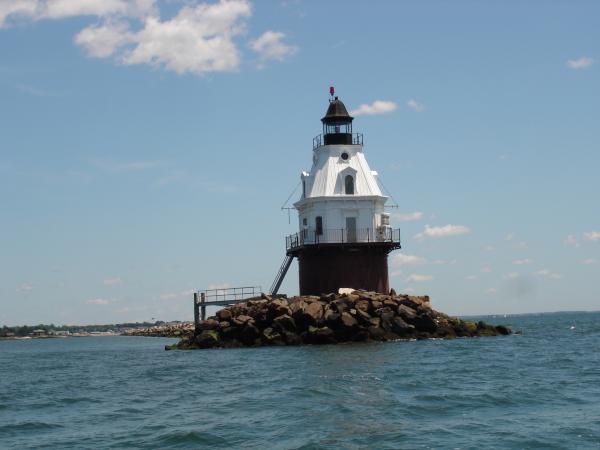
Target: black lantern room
(337,124)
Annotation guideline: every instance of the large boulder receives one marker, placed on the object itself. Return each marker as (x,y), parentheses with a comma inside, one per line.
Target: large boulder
(363,317)
(224,314)
(297,305)
(249,334)
(402,328)
(279,307)
(315,311)
(308,314)
(331,317)
(504,331)
(347,321)
(284,323)
(340,305)
(209,324)
(242,319)
(292,338)
(425,323)
(362,305)
(376,333)
(407,313)
(320,335)
(208,339)
(272,337)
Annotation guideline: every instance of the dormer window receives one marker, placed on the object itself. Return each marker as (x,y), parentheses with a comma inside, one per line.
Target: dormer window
(349,185)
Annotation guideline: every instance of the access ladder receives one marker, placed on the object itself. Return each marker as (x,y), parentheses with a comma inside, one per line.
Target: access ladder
(287,262)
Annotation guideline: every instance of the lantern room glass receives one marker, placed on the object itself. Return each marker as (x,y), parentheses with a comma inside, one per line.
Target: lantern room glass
(337,128)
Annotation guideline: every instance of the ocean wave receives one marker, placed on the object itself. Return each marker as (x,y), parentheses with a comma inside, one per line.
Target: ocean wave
(29,427)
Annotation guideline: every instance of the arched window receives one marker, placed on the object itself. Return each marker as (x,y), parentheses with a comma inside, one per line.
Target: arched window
(319,225)
(349,183)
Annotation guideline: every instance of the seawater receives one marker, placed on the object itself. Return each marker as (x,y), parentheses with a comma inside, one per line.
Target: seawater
(538,390)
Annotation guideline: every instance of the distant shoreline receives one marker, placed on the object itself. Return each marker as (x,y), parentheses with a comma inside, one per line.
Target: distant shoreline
(44,331)
(76,335)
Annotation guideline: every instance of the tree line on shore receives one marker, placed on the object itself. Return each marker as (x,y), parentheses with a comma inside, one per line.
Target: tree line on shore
(27,330)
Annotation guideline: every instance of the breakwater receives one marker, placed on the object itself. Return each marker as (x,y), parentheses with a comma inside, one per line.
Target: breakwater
(176,330)
(329,319)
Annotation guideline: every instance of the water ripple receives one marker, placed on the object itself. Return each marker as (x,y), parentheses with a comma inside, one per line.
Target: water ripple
(539,390)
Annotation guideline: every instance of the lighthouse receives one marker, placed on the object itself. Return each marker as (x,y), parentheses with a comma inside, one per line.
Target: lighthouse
(344,235)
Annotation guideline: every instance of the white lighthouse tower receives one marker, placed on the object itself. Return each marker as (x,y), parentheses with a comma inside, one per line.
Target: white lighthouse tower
(344,234)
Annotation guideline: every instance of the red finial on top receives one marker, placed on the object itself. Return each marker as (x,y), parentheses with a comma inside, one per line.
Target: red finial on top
(331,90)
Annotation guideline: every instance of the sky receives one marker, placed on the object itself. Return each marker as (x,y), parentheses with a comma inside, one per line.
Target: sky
(146,148)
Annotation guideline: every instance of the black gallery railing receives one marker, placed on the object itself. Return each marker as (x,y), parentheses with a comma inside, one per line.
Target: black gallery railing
(318,141)
(342,236)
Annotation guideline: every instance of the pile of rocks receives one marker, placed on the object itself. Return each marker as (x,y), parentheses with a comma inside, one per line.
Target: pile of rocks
(178,330)
(329,319)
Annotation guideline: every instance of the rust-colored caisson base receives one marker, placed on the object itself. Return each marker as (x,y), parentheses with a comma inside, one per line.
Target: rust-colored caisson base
(326,268)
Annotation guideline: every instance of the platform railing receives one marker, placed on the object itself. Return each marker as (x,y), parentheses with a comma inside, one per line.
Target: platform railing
(318,141)
(221,297)
(313,236)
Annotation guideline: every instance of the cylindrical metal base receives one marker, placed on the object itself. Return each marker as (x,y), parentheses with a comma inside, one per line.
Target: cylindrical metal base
(325,269)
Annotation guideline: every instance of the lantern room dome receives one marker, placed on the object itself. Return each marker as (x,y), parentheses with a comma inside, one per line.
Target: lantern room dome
(337,112)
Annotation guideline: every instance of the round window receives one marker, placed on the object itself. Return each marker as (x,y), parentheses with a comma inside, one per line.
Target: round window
(345,156)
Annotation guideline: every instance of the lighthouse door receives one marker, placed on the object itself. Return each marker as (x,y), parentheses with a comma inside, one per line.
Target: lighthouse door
(351,229)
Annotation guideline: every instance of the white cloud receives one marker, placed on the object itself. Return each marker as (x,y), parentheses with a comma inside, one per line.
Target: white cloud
(491,291)
(112,281)
(270,45)
(409,290)
(522,262)
(488,248)
(33,10)
(571,240)
(17,9)
(582,63)
(99,301)
(168,296)
(471,277)
(592,236)
(509,237)
(417,278)
(25,287)
(547,274)
(415,105)
(375,108)
(589,261)
(101,41)
(402,259)
(199,38)
(438,232)
(57,9)
(486,269)
(511,275)
(408,217)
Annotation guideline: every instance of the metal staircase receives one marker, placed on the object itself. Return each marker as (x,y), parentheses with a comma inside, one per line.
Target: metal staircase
(287,262)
